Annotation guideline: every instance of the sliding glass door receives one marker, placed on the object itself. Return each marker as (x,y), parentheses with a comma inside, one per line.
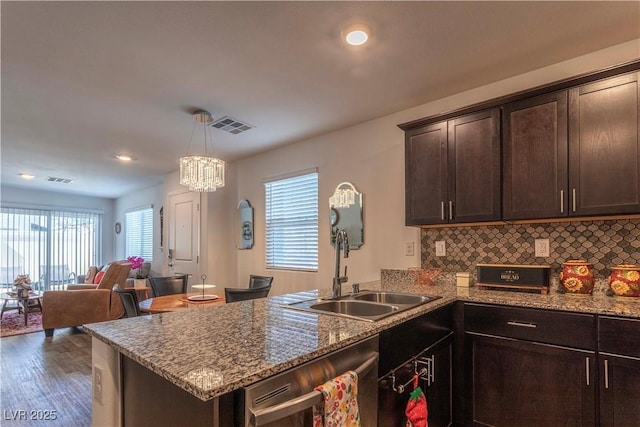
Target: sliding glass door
(50,246)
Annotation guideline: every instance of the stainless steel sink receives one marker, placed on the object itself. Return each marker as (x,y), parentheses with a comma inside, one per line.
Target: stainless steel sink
(392,298)
(355,308)
(366,305)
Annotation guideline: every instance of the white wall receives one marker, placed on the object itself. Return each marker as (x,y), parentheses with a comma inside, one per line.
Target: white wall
(26,197)
(371,156)
(152,196)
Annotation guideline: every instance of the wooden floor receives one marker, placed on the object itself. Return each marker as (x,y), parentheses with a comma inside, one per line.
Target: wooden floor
(42,377)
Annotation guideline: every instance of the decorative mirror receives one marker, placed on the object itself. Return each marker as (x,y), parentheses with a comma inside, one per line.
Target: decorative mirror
(244,225)
(345,212)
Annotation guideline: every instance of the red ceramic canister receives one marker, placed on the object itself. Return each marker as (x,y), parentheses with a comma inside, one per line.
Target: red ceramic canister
(624,280)
(577,277)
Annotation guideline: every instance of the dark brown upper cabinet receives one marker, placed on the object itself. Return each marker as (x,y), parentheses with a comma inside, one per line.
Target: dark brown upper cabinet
(570,149)
(426,175)
(573,153)
(604,148)
(535,176)
(452,170)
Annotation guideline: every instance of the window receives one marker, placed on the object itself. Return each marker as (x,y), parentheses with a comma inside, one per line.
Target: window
(48,245)
(291,223)
(139,233)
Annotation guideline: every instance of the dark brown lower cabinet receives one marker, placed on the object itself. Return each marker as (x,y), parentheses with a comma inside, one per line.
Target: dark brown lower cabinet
(619,391)
(425,337)
(619,371)
(520,383)
(437,389)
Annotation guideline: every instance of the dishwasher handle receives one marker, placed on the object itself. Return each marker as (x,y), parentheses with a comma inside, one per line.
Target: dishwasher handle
(284,409)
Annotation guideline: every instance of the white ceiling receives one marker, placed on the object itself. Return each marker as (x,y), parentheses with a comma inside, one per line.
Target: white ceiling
(82,81)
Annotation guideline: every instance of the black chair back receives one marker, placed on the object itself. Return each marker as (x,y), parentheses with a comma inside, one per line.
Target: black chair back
(242,294)
(259,281)
(129,301)
(169,285)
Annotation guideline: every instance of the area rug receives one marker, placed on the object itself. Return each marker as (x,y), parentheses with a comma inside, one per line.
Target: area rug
(12,323)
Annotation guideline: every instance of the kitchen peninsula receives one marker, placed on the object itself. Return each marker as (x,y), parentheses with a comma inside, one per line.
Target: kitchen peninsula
(204,355)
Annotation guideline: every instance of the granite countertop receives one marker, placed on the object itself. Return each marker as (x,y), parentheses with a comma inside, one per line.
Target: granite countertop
(211,351)
(598,303)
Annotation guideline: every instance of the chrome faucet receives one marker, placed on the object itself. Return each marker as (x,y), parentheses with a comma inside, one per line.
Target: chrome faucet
(341,239)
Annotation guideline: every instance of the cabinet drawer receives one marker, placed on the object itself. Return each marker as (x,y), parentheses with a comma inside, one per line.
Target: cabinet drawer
(546,326)
(619,336)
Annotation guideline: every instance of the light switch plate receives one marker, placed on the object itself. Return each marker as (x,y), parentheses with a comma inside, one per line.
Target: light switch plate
(441,248)
(409,248)
(542,248)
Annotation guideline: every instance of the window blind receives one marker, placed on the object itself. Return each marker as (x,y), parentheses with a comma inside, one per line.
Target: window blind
(139,233)
(48,245)
(291,223)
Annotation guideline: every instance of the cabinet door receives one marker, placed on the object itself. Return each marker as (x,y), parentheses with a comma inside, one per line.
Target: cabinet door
(518,383)
(426,174)
(438,390)
(619,391)
(604,149)
(535,158)
(474,167)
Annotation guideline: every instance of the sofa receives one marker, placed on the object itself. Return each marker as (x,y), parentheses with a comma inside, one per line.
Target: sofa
(133,274)
(85,303)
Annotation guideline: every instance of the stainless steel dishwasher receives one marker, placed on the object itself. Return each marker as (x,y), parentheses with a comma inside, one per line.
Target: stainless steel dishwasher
(287,399)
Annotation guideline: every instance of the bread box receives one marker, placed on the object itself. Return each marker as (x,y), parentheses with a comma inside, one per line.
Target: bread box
(525,278)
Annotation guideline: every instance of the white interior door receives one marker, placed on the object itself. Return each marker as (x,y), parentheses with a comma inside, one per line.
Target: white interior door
(184,235)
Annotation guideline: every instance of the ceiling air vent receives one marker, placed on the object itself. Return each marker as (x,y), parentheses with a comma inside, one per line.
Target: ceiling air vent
(231,125)
(60,180)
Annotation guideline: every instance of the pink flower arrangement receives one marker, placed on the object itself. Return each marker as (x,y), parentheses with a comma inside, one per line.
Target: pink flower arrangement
(136,262)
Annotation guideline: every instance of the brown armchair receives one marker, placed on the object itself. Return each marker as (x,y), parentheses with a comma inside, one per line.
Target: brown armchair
(81,304)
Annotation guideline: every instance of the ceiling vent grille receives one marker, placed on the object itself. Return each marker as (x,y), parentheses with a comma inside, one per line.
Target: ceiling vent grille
(60,180)
(231,125)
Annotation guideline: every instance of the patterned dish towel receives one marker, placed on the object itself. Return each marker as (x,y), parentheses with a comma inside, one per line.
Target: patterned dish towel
(340,406)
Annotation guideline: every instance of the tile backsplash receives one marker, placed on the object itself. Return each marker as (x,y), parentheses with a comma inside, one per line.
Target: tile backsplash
(603,243)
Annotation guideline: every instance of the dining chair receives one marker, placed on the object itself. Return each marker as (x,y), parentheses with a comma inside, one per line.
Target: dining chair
(129,301)
(243,294)
(169,285)
(259,281)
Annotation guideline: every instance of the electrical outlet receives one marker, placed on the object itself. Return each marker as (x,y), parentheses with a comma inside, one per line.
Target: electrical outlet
(441,248)
(97,384)
(408,248)
(542,248)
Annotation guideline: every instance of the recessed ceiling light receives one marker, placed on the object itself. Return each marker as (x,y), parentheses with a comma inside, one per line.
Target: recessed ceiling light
(26,176)
(124,157)
(356,35)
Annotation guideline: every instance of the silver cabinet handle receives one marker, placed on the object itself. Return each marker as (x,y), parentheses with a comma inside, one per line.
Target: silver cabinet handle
(573,197)
(606,373)
(450,210)
(586,364)
(561,201)
(522,324)
(442,210)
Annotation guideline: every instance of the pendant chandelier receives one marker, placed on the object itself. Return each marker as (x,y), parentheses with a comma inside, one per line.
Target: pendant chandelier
(202,173)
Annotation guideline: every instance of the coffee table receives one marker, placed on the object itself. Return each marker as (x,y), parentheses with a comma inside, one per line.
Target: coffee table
(22,304)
